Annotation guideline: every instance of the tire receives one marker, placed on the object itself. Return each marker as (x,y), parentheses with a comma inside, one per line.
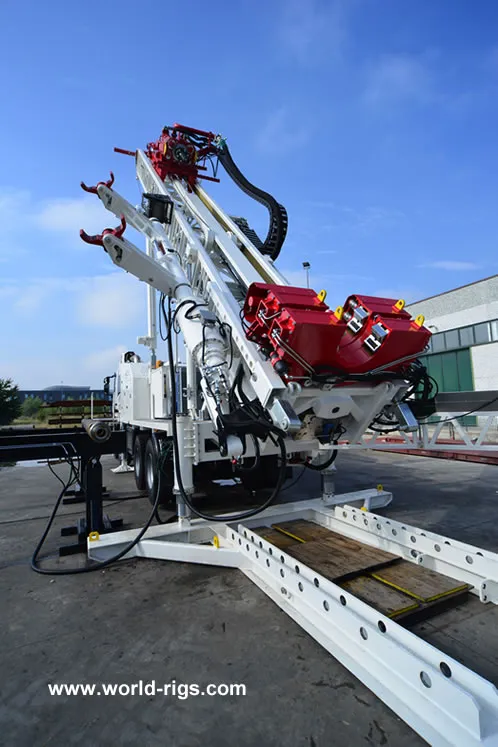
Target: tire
(156,479)
(139,460)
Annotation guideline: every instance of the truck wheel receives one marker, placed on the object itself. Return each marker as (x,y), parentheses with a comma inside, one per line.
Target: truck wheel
(139,460)
(159,474)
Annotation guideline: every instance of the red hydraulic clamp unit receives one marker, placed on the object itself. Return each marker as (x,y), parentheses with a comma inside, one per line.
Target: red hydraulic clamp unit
(302,336)
(379,334)
(293,326)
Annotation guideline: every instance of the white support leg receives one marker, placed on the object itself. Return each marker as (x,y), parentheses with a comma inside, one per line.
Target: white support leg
(123,467)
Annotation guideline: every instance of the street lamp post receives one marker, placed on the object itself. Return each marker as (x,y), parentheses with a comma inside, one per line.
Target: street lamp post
(307,267)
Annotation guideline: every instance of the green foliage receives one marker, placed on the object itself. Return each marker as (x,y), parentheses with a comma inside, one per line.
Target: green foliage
(10,405)
(30,408)
(42,415)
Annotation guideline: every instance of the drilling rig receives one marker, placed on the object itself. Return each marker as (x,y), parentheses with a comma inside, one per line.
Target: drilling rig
(261,376)
(272,375)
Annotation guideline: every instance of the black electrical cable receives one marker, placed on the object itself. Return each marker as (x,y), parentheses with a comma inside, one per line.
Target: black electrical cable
(71,513)
(188,314)
(465,414)
(176,456)
(99,564)
(224,325)
(162,316)
(320,467)
(257,457)
(288,487)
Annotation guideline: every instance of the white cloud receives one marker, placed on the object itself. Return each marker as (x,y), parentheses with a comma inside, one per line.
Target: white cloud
(76,369)
(279,135)
(451,265)
(102,362)
(399,77)
(112,301)
(30,295)
(58,218)
(115,300)
(67,216)
(310,30)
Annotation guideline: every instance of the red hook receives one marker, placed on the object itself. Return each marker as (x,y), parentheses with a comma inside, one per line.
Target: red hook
(93,190)
(98,239)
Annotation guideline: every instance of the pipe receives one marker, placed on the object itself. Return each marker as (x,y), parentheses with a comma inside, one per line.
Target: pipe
(97,430)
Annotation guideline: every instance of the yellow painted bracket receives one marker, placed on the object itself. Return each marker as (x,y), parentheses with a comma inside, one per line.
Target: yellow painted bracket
(419,320)
(322,295)
(380,487)
(399,305)
(94,536)
(338,312)
(216,541)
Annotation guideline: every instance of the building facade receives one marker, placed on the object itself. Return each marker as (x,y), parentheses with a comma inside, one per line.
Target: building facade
(62,392)
(463,352)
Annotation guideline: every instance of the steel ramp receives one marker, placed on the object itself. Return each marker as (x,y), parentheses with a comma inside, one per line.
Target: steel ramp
(443,701)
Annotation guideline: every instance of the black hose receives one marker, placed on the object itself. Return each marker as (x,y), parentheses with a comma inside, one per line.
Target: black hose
(176,456)
(320,467)
(278,214)
(97,565)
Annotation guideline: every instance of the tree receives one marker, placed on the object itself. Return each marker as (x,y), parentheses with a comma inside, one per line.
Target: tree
(10,405)
(31,407)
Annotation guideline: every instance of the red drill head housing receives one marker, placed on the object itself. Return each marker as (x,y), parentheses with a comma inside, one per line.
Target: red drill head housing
(180,153)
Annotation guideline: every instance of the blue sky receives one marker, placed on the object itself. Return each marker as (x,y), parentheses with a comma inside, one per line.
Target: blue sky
(373,121)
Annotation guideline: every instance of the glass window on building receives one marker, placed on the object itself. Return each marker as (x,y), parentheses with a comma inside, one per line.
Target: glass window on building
(467,336)
(437,343)
(452,339)
(482,333)
(494,330)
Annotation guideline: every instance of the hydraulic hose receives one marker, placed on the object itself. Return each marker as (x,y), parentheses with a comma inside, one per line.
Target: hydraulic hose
(176,454)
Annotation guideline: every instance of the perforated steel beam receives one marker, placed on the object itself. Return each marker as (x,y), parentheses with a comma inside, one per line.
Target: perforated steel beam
(443,701)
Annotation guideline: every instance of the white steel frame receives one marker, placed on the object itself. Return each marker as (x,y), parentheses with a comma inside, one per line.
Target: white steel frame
(428,435)
(446,703)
